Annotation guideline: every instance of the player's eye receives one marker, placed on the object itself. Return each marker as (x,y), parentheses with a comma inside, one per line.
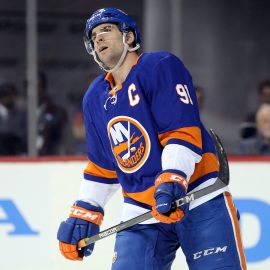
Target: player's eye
(93,37)
(105,29)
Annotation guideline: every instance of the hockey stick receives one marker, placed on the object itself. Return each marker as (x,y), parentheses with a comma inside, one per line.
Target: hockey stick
(222,181)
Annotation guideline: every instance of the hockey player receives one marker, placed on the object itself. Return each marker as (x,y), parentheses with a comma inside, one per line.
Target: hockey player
(144,132)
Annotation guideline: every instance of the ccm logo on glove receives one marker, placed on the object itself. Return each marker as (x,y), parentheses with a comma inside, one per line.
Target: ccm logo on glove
(91,216)
(169,177)
(83,221)
(169,187)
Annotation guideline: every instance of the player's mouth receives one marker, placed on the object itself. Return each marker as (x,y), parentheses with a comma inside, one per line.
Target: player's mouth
(102,48)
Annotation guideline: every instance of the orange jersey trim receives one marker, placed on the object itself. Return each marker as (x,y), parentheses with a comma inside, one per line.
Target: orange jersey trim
(146,197)
(110,79)
(236,228)
(137,60)
(114,88)
(209,163)
(98,171)
(188,134)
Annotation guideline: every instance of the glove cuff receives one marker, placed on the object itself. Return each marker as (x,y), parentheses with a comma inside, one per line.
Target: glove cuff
(86,211)
(169,176)
(89,206)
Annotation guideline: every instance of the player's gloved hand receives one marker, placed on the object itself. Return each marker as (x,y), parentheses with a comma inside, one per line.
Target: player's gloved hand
(84,221)
(169,187)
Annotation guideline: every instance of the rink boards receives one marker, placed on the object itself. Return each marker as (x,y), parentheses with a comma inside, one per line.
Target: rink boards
(35,195)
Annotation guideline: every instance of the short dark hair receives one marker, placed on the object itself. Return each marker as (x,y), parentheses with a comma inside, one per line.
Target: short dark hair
(7,89)
(262,85)
(129,30)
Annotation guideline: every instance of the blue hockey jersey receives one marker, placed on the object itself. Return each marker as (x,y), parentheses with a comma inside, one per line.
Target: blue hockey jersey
(128,125)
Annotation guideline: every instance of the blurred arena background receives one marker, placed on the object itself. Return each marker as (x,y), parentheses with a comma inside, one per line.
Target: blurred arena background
(43,63)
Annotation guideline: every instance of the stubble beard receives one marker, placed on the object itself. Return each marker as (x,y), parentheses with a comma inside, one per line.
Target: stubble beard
(111,59)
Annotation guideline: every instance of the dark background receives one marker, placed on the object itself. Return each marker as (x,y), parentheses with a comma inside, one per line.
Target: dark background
(224,44)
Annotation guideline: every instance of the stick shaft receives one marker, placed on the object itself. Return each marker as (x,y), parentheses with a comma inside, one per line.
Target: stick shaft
(222,181)
(124,225)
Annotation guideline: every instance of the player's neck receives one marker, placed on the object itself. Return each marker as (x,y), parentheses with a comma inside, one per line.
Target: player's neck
(123,71)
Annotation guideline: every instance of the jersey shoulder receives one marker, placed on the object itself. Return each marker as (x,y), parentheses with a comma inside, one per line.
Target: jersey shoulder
(150,64)
(154,58)
(94,88)
(161,66)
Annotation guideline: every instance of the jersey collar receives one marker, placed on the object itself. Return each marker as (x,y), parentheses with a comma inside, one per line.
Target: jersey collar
(109,78)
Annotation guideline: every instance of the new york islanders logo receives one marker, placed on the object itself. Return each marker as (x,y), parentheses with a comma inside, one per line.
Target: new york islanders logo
(130,143)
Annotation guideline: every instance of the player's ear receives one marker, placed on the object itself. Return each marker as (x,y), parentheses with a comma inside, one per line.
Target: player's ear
(130,38)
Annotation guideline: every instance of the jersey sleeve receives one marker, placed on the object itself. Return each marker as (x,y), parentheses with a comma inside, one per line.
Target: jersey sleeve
(99,168)
(100,178)
(176,115)
(174,105)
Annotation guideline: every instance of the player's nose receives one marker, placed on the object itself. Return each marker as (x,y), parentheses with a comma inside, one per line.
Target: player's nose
(100,37)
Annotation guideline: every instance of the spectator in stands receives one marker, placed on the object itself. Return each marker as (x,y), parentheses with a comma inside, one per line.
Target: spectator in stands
(248,128)
(200,96)
(259,144)
(52,120)
(263,96)
(77,123)
(12,122)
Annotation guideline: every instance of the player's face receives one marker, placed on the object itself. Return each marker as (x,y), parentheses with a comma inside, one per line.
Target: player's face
(108,43)
(265,95)
(263,123)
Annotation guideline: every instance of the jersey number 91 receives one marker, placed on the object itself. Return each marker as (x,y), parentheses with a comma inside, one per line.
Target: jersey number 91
(183,92)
